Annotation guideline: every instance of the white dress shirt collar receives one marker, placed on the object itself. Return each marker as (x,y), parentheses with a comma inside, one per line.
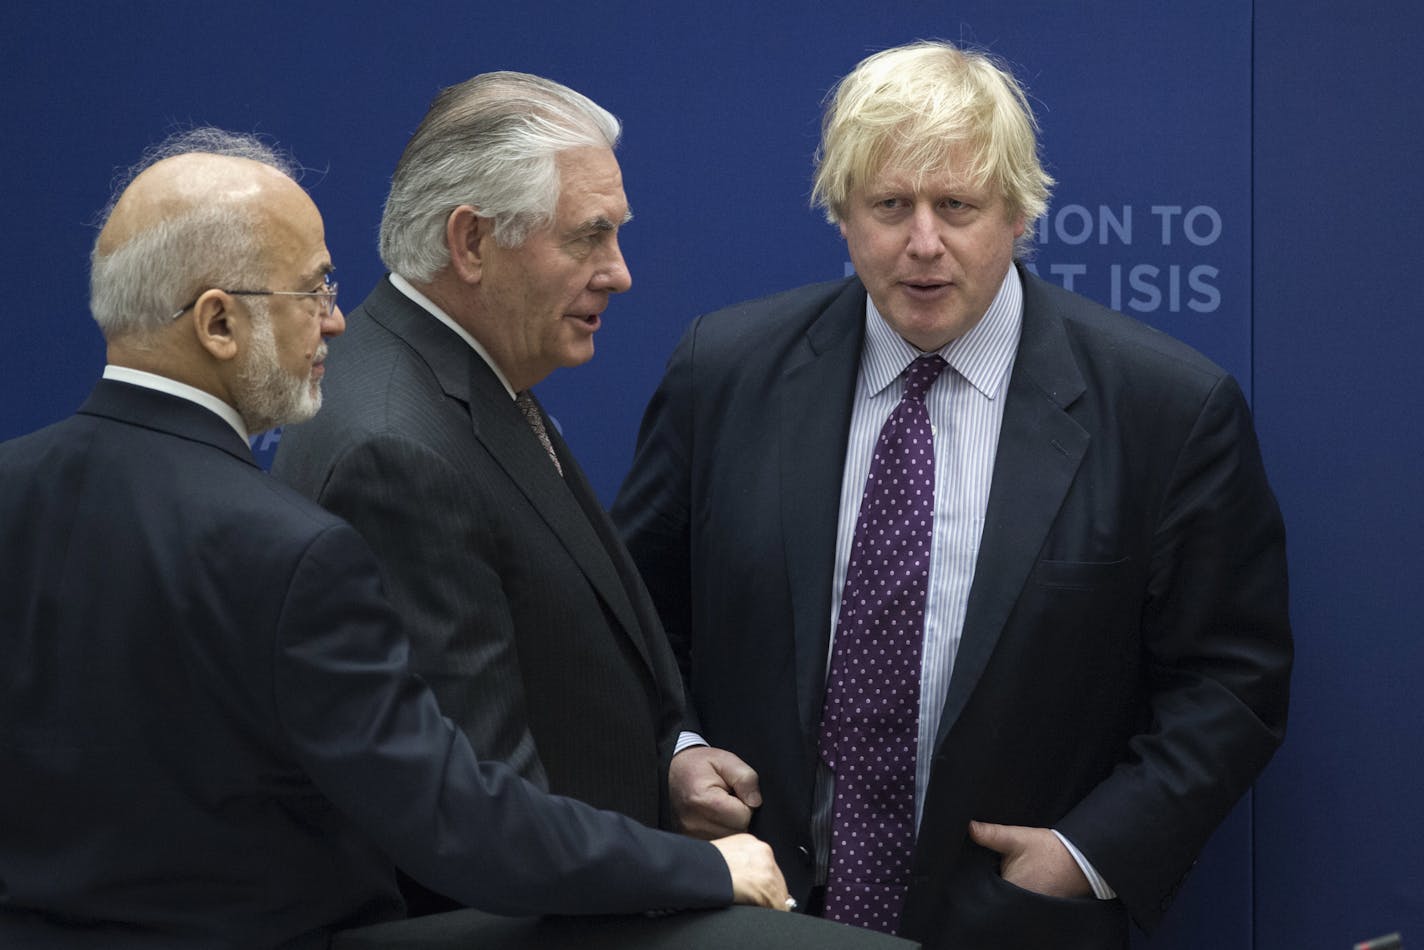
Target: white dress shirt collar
(430,307)
(983,356)
(138,377)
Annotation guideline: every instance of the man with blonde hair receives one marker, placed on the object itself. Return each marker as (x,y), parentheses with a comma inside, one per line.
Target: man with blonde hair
(985,581)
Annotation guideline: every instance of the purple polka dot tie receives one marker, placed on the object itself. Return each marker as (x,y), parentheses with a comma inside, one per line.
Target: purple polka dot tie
(870,721)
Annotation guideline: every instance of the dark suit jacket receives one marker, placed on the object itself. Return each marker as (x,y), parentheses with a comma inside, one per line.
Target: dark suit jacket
(209,736)
(1123,670)
(525,613)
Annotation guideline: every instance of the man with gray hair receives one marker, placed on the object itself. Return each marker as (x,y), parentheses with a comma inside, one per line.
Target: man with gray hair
(526,615)
(209,735)
(984,580)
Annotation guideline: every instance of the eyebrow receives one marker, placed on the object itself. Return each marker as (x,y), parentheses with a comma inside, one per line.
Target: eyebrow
(600,224)
(324,269)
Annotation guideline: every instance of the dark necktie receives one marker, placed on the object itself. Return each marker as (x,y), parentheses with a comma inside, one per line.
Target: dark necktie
(870,721)
(525,402)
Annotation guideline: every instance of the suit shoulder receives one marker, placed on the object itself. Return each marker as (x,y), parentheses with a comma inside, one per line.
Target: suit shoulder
(270,517)
(368,362)
(376,388)
(769,323)
(243,510)
(1104,334)
(21,448)
(796,306)
(284,504)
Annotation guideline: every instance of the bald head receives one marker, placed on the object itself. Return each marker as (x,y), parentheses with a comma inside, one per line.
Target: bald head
(182,185)
(210,269)
(189,216)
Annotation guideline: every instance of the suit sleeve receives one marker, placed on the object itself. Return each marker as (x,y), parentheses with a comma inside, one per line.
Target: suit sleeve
(427,524)
(372,739)
(652,509)
(1217,646)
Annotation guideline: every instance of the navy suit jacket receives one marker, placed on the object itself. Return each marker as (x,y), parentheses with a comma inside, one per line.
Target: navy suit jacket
(525,613)
(208,733)
(1123,670)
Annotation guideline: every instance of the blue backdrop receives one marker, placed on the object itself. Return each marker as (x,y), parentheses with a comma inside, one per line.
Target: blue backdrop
(1235,173)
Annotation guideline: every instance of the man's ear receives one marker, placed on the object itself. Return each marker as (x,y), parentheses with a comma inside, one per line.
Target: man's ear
(468,236)
(216,322)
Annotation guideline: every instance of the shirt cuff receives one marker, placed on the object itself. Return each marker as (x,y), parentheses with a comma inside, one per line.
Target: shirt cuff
(686,740)
(1101,890)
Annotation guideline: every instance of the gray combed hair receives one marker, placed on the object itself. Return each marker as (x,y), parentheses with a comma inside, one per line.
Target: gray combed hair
(491,142)
(134,289)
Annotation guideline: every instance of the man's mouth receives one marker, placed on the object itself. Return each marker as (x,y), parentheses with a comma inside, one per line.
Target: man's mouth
(925,288)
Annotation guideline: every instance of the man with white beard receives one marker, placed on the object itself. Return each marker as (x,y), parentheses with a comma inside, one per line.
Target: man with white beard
(209,735)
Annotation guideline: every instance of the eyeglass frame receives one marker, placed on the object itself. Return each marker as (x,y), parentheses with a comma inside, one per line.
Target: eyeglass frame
(327,295)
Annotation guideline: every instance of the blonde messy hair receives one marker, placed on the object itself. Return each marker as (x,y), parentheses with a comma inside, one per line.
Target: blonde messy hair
(912,107)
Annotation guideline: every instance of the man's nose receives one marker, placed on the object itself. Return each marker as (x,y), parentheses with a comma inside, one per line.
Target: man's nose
(925,239)
(613,275)
(334,323)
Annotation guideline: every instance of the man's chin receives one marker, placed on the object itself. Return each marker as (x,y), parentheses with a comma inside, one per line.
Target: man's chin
(304,410)
(312,404)
(260,415)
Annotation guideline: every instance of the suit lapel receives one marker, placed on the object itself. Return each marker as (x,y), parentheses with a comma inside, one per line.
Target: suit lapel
(438,346)
(814,406)
(572,510)
(501,428)
(1040,449)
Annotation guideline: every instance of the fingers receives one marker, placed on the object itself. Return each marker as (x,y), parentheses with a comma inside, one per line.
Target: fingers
(756,879)
(713,816)
(713,792)
(740,778)
(1032,858)
(1004,839)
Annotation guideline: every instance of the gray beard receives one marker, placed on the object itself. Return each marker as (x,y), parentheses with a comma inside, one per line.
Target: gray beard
(267,395)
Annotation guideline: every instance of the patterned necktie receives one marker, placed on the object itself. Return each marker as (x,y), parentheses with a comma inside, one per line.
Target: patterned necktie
(526,405)
(870,721)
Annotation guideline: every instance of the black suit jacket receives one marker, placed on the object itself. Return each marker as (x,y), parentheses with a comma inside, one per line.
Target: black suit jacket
(525,613)
(209,736)
(1122,674)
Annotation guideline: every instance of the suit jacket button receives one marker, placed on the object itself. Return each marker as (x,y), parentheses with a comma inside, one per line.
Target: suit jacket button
(805,853)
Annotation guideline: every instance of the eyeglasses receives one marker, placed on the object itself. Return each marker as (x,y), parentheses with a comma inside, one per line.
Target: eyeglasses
(326,297)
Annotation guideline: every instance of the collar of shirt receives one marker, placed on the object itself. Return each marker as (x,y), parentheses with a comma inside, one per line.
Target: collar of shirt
(138,377)
(983,356)
(428,305)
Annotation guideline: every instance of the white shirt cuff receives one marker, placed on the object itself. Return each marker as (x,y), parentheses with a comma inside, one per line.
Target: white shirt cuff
(686,740)
(1101,890)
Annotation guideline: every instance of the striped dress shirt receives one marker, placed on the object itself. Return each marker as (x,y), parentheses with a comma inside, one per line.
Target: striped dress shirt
(966,409)
(966,406)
